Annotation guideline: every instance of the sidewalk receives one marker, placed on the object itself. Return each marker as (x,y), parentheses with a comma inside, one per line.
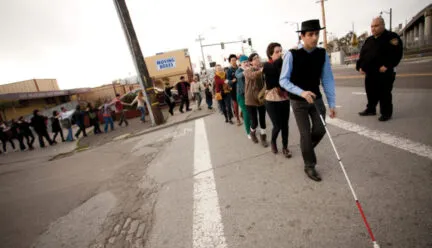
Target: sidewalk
(136,128)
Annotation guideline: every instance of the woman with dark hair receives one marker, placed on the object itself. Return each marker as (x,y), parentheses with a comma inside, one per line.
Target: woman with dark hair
(277,101)
(254,85)
(55,126)
(222,94)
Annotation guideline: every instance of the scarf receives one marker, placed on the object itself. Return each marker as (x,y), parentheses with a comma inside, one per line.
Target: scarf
(221,74)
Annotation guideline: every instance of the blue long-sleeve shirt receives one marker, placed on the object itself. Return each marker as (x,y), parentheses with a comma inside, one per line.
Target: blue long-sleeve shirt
(326,78)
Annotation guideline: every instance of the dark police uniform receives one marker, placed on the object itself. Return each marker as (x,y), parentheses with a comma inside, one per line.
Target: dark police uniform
(385,50)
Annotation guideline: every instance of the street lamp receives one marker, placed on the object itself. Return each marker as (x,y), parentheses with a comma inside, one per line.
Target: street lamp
(298,28)
(389,13)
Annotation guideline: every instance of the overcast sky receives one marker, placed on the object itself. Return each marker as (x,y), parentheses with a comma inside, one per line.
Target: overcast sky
(81,43)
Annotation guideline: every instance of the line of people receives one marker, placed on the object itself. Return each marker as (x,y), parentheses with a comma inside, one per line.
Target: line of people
(21,129)
(276,86)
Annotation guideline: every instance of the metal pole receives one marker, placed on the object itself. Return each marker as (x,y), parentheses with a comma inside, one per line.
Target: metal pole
(390,19)
(298,29)
(324,23)
(202,52)
(144,79)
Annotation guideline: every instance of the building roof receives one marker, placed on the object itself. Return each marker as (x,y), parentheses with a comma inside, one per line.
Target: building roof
(419,15)
(41,94)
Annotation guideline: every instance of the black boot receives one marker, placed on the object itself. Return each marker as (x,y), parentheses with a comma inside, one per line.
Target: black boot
(264,140)
(254,137)
(367,113)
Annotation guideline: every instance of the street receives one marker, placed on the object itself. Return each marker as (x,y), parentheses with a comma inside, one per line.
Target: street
(203,183)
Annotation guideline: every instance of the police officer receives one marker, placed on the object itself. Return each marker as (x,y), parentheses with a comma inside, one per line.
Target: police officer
(380,54)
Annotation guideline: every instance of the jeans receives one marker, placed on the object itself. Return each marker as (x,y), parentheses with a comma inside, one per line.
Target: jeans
(209,101)
(225,105)
(306,115)
(108,120)
(143,113)
(279,113)
(254,112)
(69,135)
(198,99)
(246,119)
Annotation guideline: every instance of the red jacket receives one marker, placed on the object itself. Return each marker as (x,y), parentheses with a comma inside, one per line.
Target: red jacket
(219,82)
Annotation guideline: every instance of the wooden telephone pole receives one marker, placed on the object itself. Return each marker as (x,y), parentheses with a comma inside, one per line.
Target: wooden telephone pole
(144,79)
(324,22)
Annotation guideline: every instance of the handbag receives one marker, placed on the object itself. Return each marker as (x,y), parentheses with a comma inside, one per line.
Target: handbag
(262,94)
(218,96)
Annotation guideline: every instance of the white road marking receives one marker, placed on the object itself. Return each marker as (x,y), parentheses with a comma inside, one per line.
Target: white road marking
(388,139)
(208,230)
(358,93)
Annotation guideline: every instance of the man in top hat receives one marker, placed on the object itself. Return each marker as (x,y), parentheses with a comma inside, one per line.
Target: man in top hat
(302,71)
(380,54)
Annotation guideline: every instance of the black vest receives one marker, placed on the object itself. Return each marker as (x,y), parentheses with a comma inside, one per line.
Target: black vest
(307,70)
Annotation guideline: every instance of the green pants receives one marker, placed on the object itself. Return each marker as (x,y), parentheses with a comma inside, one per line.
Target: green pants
(241,103)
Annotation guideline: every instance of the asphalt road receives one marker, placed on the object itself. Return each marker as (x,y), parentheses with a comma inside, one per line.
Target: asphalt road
(204,184)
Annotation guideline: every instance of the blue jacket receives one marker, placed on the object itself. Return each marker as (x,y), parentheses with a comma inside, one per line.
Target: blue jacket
(240,81)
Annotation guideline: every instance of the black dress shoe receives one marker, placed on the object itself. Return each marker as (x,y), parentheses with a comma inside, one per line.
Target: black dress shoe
(366,113)
(312,174)
(384,118)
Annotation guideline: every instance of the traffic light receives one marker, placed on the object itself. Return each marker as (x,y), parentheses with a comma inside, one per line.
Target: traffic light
(250,41)
(222,45)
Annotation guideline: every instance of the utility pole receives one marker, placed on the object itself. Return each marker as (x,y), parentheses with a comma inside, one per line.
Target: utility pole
(144,79)
(324,22)
(200,39)
(391,17)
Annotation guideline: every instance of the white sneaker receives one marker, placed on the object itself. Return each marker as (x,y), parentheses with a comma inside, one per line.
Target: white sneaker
(249,137)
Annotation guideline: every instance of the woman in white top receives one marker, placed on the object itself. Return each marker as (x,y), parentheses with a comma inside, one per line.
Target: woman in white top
(141,104)
(196,89)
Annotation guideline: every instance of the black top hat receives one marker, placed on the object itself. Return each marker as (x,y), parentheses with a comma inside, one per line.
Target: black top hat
(310,25)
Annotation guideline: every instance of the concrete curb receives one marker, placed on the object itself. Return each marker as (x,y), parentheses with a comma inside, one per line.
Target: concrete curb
(157,128)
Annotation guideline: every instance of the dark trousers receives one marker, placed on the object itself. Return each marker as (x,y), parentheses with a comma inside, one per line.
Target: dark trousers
(44,134)
(256,112)
(29,138)
(57,133)
(184,100)
(279,113)
(96,126)
(81,128)
(379,88)
(235,108)
(225,105)
(306,115)
(171,106)
(20,139)
(4,141)
(209,101)
(122,119)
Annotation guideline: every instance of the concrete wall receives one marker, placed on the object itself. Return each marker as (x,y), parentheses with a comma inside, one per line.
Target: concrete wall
(32,85)
(106,92)
(15,112)
(337,58)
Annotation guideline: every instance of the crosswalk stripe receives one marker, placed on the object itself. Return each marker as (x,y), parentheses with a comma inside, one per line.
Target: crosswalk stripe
(208,230)
(386,138)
